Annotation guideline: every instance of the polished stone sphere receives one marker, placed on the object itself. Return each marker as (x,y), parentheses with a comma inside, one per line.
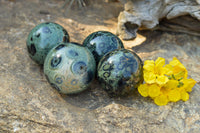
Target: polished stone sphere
(70,68)
(43,38)
(102,42)
(120,72)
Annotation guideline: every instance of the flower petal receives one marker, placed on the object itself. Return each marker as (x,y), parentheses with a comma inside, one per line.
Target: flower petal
(161,80)
(179,69)
(149,66)
(174,62)
(149,77)
(160,62)
(148,62)
(184,96)
(165,90)
(143,90)
(188,84)
(161,100)
(179,72)
(168,69)
(174,95)
(154,90)
(172,84)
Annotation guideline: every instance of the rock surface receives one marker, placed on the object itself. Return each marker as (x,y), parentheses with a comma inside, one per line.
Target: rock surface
(29,104)
(147,14)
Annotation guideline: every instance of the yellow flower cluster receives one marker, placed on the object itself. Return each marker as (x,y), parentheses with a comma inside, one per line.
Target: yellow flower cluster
(165,83)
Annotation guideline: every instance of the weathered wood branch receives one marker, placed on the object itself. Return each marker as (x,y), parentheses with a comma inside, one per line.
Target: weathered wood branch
(147,14)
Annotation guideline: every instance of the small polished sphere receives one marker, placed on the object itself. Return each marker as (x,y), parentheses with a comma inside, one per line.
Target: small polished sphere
(70,68)
(43,38)
(120,72)
(102,42)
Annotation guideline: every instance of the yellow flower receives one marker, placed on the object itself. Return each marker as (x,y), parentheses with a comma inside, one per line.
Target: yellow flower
(188,84)
(179,70)
(165,83)
(154,72)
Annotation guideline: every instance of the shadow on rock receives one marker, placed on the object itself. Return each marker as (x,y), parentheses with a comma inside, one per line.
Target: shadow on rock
(91,98)
(95,97)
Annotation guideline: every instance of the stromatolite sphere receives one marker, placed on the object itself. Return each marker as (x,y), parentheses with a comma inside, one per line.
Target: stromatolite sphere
(120,72)
(102,42)
(70,68)
(43,38)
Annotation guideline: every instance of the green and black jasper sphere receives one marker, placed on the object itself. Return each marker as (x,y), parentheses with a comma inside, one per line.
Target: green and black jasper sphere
(43,38)
(70,68)
(102,42)
(120,72)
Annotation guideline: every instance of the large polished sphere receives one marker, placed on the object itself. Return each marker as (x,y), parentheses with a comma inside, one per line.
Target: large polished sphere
(120,72)
(102,42)
(43,38)
(70,68)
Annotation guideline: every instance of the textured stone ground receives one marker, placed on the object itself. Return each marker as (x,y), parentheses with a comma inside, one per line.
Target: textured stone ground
(29,104)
